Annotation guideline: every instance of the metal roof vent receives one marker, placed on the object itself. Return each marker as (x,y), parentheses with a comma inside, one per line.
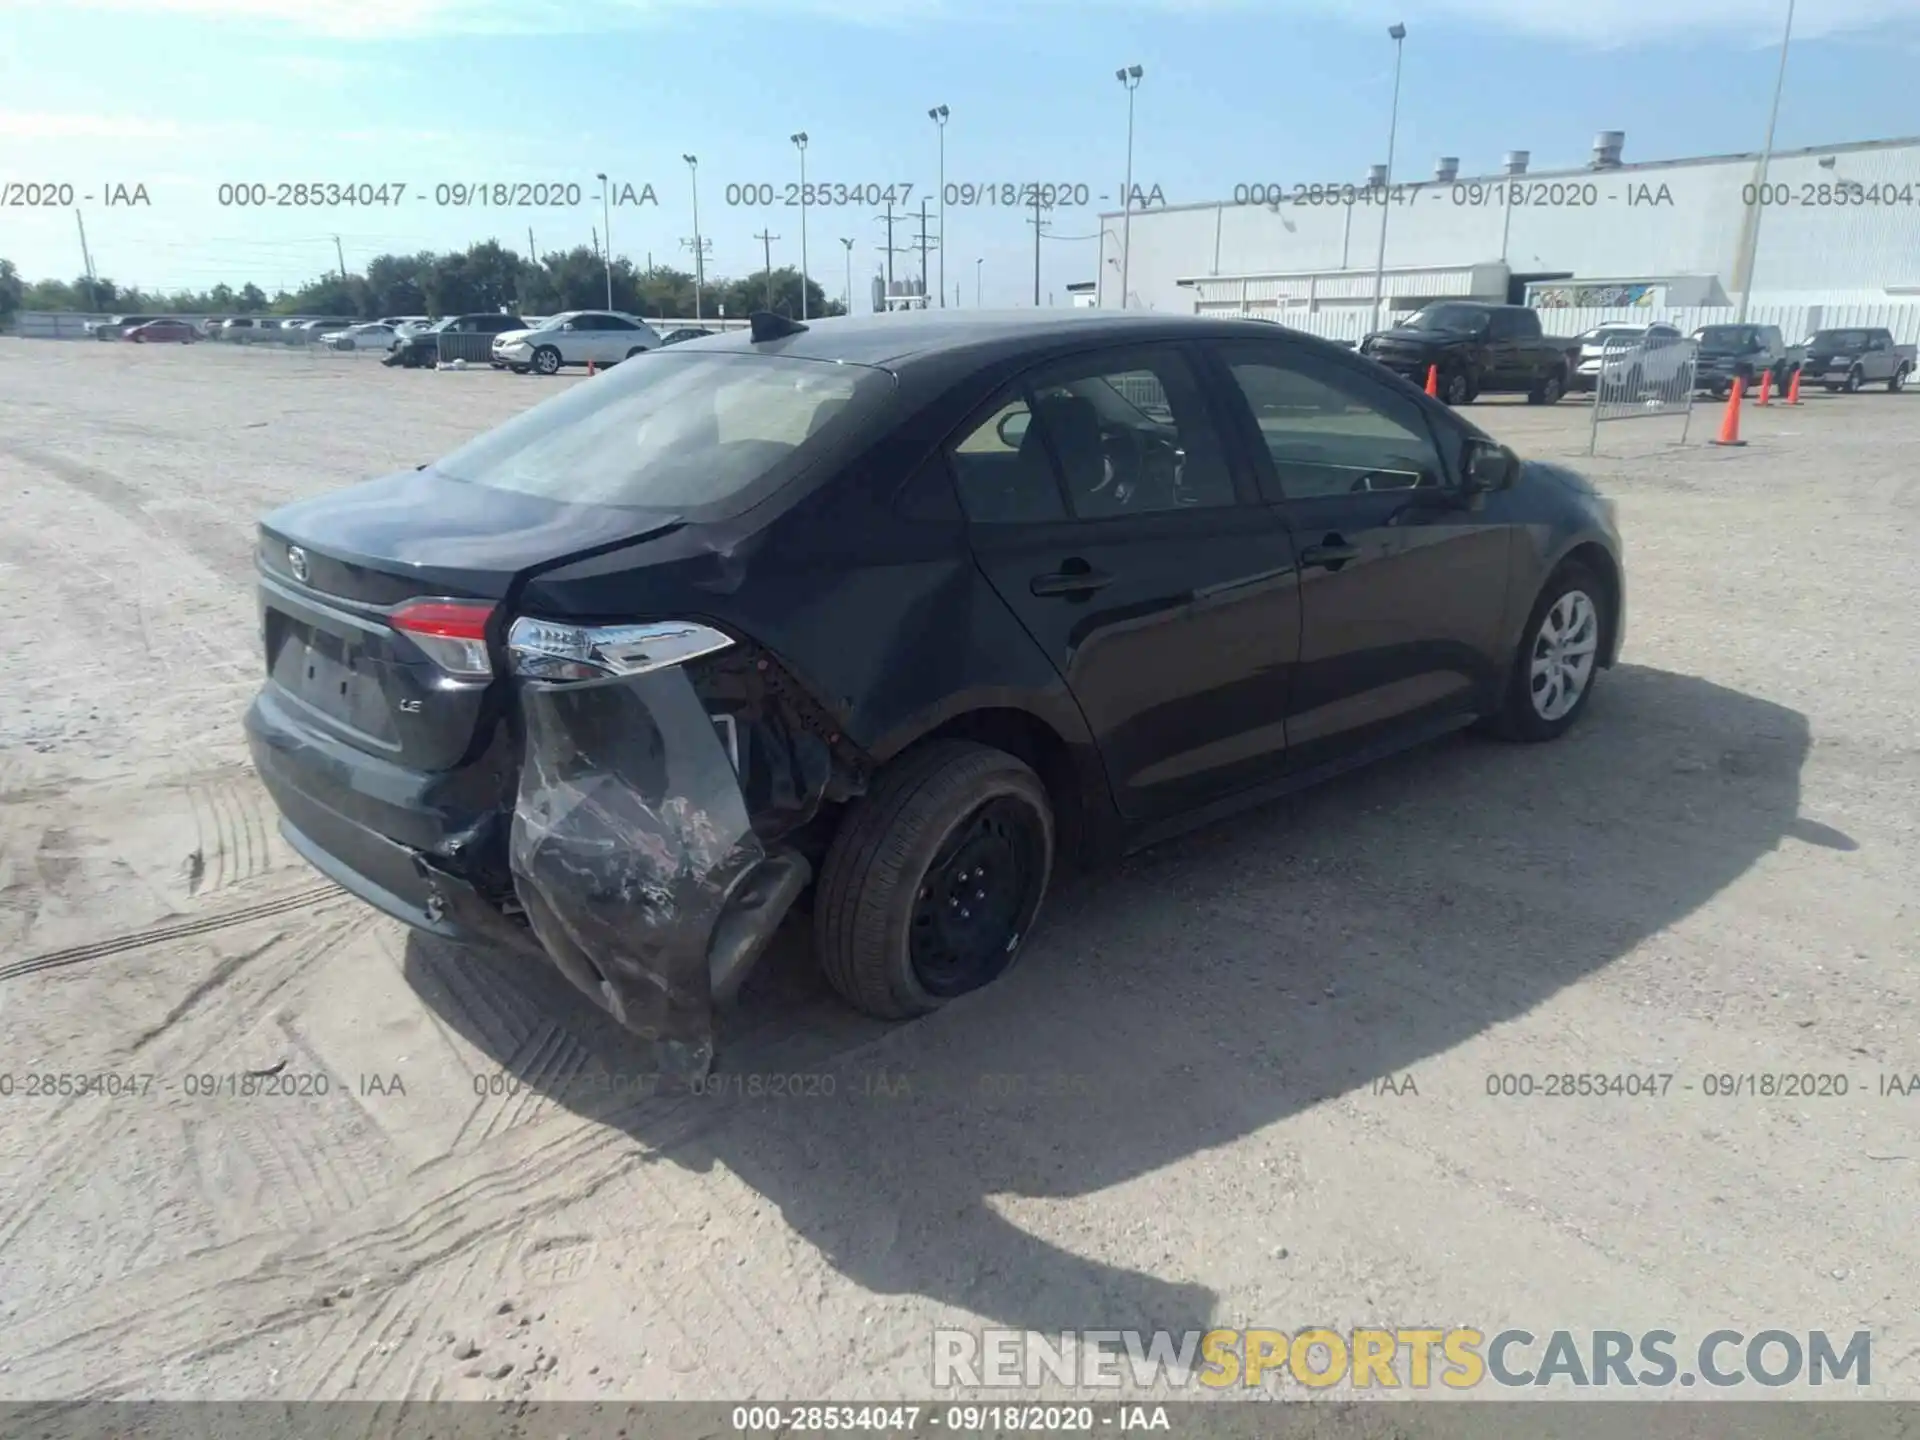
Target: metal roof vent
(1376,176)
(1446,169)
(1607,146)
(1517,161)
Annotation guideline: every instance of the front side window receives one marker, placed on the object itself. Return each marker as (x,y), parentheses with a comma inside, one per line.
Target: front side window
(1131,438)
(676,430)
(1331,433)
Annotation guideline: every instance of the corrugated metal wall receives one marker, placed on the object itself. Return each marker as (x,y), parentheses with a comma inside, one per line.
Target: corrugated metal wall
(1796,322)
(1684,218)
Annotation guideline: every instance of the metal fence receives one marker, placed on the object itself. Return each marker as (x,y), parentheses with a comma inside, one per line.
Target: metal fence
(1643,379)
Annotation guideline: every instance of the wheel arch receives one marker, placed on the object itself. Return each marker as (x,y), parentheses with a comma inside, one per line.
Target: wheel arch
(1076,788)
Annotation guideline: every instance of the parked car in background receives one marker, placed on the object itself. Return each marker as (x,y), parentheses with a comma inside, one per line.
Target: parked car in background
(1636,357)
(575,337)
(1851,358)
(685,332)
(371,336)
(619,704)
(1476,348)
(396,321)
(241,329)
(115,327)
(422,347)
(163,332)
(1739,352)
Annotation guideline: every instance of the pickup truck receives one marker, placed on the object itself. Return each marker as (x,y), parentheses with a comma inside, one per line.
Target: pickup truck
(1849,359)
(1478,348)
(1740,352)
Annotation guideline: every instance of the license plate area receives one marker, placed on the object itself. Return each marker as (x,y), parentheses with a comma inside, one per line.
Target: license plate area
(333,675)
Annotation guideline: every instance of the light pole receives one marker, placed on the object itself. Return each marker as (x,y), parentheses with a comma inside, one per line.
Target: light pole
(938,114)
(699,255)
(849,244)
(976,280)
(1399,35)
(606,216)
(1129,77)
(800,144)
(1766,156)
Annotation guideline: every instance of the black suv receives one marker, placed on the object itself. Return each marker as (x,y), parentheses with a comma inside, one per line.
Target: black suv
(470,337)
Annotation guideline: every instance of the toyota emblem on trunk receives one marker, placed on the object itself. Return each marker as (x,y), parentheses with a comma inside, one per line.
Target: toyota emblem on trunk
(297,563)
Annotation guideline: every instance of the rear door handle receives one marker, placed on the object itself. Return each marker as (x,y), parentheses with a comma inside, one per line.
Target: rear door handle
(1333,552)
(1071,582)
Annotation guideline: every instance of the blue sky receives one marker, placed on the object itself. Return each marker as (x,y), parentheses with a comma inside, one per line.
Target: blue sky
(182,95)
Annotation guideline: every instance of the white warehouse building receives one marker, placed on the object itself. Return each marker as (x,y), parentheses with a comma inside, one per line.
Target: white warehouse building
(1839,236)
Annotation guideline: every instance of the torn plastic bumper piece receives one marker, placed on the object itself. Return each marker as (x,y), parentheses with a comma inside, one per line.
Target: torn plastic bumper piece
(633,854)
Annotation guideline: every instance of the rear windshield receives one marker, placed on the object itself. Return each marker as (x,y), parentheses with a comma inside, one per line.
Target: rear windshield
(674,431)
(1725,337)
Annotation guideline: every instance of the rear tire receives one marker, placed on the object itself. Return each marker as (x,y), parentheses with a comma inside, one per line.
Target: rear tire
(1548,391)
(1569,621)
(1896,380)
(896,933)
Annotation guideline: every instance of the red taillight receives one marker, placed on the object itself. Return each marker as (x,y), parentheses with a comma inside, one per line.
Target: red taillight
(453,633)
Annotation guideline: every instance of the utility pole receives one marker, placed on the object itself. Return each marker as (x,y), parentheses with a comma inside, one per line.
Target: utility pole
(848,243)
(340,255)
(700,248)
(86,256)
(1037,224)
(533,251)
(890,248)
(766,248)
(1766,159)
(923,252)
(1129,76)
(938,114)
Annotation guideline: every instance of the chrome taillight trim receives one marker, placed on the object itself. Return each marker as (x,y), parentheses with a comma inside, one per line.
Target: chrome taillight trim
(553,650)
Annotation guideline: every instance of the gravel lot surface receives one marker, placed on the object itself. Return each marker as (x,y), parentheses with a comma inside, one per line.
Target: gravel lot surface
(1177,1112)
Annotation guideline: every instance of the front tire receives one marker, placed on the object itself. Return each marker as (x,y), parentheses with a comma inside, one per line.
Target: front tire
(1852,383)
(546,360)
(933,879)
(1456,388)
(1559,657)
(1548,391)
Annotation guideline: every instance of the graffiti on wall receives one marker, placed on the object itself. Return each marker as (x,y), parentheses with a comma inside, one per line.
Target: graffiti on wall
(1594,297)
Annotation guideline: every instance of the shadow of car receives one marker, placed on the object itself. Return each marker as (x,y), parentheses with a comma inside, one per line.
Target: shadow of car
(1206,989)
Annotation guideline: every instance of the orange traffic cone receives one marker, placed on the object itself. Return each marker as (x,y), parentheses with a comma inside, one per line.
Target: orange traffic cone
(1730,422)
(1766,388)
(1433,381)
(589,369)
(1793,387)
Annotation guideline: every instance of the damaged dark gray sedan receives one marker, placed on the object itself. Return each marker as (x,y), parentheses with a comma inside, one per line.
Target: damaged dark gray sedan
(908,611)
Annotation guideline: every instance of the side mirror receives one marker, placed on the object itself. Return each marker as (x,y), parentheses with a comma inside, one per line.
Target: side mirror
(1012,428)
(1489,467)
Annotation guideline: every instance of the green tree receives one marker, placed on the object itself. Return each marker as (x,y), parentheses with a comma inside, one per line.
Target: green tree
(251,298)
(12,290)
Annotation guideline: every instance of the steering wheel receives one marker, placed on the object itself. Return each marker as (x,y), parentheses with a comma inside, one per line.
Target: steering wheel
(1124,450)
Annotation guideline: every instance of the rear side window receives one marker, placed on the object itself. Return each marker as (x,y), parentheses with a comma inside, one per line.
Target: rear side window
(675,431)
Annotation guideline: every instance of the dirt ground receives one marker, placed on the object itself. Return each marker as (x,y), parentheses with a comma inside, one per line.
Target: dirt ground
(1174,1114)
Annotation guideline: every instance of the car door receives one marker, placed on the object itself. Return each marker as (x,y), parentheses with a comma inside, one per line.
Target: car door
(616,337)
(1108,513)
(1402,580)
(1879,356)
(1508,360)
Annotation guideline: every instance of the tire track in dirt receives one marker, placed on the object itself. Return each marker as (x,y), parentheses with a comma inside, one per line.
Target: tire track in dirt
(198,927)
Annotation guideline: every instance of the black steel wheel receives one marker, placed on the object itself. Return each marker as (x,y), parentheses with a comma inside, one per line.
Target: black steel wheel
(934,879)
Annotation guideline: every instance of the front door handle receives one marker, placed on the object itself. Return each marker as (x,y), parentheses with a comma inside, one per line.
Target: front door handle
(1332,553)
(1075,577)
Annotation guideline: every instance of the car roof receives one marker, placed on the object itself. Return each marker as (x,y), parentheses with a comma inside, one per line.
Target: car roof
(907,338)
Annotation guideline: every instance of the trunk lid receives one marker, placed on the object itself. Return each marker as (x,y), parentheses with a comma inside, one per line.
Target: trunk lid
(350,650)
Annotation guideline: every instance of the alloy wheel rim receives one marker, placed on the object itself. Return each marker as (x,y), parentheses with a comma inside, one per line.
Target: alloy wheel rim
(975,897)
(1563,653)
